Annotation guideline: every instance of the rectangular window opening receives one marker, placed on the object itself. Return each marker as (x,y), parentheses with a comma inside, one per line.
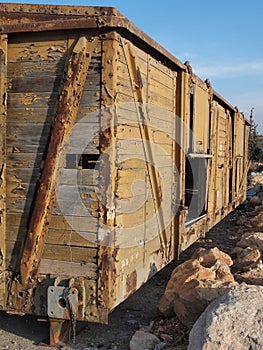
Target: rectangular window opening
(83,161)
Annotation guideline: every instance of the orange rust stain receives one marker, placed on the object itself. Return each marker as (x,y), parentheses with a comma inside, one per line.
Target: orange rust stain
(131,282)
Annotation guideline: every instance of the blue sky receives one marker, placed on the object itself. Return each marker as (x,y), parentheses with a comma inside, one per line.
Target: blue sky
(221,39)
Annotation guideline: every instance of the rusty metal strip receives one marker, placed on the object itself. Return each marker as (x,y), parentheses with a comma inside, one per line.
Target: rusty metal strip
(107,253)
(147,140)
(66,115)
(48,10)
(183,106)
(3,113)
(55,24)
(74,17)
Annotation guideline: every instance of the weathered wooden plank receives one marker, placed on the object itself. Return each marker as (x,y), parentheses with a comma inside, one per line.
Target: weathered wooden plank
(78,205)
(160,88)
(141,57)
(162,137)
(156,72)
(132,219)
(124,97)
(130,147)
(41,38)
(38,83)
(19,190)
(24,160)
(72,238)
(84,177)
(161,101)
(132,163)
(128,131)
(130,237)
(125,91)
(55,236)
(25,135)
(70,253)
(127,114)
(123,81)
(14,219)
(127,191)
(30,115)
(93,77)
(37,51)
(84,136)
(35,69)
(22,175)
(90,98)
(13,250)
(131,175)
(124,205)
(161,118)
(24,148)
(18,205)
(133,149)
(33,100)
(15,233)
(89,114)
(68,268)
(157,65)
(78,223)
(122,71)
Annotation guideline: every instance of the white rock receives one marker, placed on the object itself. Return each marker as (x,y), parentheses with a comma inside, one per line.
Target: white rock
(233,321)
(143,340)
(254,239)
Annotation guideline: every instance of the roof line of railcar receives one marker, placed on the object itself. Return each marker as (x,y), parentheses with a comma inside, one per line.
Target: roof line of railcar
(220,98)
(19,18)
(52,17)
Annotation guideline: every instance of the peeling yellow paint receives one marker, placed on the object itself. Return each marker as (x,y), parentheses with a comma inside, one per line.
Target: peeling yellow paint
(28,99)
(39,53)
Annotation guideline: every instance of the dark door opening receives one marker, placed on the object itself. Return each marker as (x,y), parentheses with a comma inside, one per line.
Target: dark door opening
(196,187)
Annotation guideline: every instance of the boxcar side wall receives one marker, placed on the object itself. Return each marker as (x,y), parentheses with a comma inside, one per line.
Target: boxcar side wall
(213,149)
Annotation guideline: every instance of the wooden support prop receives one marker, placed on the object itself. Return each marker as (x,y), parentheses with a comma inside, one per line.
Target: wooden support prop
(244,176)
(147,140)
(59,333)
(67,110)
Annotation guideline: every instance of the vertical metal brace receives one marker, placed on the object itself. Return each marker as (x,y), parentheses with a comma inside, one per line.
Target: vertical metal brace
(146,136)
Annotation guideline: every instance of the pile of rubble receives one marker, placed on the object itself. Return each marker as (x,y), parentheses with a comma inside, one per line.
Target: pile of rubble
(228,287)
(195,283)
(256,177)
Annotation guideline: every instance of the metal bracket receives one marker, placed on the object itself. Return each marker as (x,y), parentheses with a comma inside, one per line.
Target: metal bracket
(62,302)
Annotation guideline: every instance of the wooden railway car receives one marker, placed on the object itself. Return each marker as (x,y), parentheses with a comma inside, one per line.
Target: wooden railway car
(115,157)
